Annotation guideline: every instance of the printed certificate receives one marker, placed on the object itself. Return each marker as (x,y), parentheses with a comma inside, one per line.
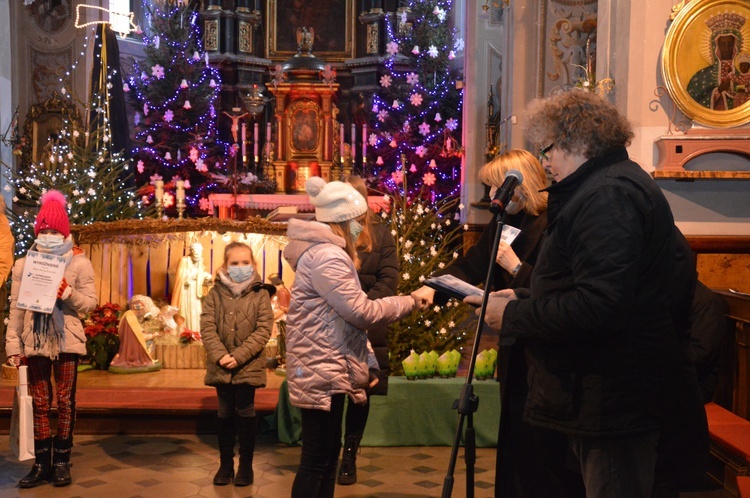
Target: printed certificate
(42,274)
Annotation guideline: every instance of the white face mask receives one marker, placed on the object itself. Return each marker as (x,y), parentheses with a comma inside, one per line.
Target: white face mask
(355,228)
(240,273)
(50,240)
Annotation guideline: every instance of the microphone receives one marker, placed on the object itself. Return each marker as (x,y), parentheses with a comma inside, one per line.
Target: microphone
(513,178)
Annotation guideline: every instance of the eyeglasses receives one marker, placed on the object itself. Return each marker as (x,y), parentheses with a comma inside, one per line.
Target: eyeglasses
(544,151)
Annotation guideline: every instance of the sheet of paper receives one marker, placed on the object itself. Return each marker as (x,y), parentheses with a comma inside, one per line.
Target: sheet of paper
(509,234)
(42,274)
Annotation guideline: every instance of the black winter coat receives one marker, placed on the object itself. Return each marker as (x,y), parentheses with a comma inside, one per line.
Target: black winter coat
(378,276)
(602,339)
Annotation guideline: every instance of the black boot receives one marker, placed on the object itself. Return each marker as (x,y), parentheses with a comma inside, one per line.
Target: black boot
(247,434)
(40,471)
(348,469)
(61,461)
(225,474)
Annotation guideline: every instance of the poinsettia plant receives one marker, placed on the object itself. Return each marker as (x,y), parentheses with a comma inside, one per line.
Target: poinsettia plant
(102,340)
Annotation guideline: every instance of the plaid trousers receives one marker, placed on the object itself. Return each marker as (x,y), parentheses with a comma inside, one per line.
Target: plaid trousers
(65,370)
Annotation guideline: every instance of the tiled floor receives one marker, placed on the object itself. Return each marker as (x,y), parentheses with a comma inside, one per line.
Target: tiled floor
(183,466)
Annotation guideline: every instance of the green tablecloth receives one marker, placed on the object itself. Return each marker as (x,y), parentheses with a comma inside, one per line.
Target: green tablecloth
(415,413)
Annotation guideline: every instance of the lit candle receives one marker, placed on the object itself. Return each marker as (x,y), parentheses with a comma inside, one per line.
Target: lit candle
(364,143)
(180,190)
(244,139)
(159,190)
(255,141)
(341,141)
(354,142)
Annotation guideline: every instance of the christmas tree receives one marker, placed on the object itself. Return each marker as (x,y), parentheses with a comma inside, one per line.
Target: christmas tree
(428,238)
(417,112)
(80,163)
(174,92)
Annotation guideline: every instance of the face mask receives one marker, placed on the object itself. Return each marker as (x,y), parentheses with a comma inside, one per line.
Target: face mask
(355,228)
(240,273)
(50,240)
(514,207)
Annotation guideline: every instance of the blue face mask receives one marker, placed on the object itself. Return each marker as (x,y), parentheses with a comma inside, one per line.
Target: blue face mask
(50,240)
(240,273)
(355,228)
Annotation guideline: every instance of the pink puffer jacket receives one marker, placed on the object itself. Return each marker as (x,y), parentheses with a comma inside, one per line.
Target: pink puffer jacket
(326,344)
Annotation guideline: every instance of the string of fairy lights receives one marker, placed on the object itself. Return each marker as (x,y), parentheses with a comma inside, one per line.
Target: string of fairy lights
(420,111)
(79,160)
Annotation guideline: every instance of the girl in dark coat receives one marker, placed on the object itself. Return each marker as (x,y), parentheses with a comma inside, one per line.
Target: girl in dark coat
(236,324)
(378,275)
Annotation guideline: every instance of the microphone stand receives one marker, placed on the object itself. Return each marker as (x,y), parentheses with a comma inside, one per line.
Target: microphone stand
(468,403)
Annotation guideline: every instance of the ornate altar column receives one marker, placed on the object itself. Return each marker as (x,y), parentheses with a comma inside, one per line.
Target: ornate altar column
(305,116)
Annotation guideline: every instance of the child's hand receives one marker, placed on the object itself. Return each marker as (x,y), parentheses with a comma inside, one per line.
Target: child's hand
(228,361)
(64,291)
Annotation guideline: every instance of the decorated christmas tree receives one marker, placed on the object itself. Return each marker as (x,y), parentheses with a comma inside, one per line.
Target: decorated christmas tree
(81,164)
(174,92)
(428,238)
(417,112)
(85,159)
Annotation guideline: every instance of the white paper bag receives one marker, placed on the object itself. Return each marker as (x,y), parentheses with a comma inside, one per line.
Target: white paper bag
(22,419)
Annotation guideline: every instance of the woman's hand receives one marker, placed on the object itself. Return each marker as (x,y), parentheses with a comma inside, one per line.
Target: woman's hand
(506,257)
(423,297)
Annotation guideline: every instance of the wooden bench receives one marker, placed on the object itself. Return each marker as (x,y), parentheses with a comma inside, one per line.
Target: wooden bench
(730,449)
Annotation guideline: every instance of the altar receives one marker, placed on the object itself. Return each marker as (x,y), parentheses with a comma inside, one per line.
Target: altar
(414,413)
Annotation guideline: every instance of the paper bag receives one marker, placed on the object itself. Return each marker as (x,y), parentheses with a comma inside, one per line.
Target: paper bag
(22,419)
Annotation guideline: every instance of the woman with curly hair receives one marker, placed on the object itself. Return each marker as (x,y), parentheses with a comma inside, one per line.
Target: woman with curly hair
(596,318)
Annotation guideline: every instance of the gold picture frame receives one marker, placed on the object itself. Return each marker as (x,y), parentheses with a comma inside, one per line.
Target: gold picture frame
(44,122)
(706,62)
(333,22)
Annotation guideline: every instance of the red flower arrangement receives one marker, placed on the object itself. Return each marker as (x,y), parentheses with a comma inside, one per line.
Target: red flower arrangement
(104,319)
(189,336)
(102,341)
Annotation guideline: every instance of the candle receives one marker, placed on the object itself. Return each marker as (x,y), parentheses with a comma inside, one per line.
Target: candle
(244,139)
(281,267)
(354,142)
(255,141)
(159,190)
(364,143)
(180,190)
(268,132)
(341,141)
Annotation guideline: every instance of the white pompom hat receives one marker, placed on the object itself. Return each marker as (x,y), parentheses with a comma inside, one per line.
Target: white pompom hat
(335,201)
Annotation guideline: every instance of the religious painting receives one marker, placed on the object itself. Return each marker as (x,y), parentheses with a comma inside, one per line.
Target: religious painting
(706,62)
(44,122)
(332,22)
(304,127)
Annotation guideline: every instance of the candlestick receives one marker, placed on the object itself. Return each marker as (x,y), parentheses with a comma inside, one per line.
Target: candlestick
(255,141)
(364,143)
(244,140)
(159,196)
(341,141)
(180,195)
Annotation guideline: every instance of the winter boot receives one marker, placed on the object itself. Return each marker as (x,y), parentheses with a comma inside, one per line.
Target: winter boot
(247,434)
(61,461)
(225,474)
(348,470)
(40,471)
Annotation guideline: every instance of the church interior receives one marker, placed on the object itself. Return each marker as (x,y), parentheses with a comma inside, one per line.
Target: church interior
(176,127)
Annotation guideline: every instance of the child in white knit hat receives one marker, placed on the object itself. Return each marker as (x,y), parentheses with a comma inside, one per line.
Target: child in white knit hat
(327,353)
